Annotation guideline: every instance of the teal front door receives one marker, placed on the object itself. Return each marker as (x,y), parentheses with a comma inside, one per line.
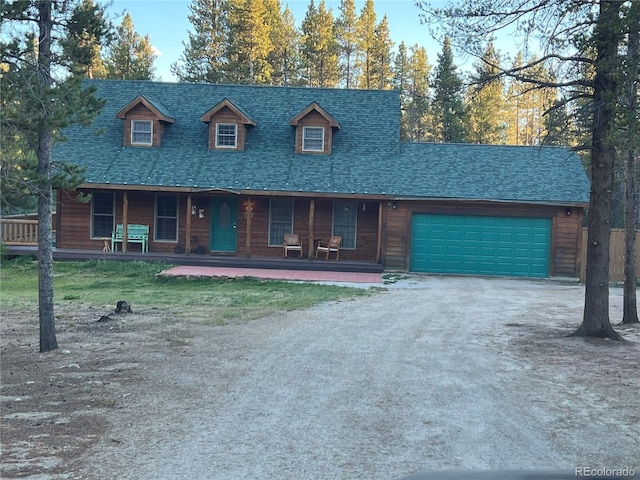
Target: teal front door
(511,246)
(223,224)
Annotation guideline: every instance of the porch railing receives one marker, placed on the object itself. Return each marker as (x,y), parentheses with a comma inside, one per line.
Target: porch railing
(19,232)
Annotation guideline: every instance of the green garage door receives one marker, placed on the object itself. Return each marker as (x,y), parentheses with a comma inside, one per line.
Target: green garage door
(510,246)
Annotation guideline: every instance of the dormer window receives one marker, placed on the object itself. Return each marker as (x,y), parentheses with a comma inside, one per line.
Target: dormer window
(314,130)
(226,135)
(141,132)
(145,122)
(313,139)
(228,126)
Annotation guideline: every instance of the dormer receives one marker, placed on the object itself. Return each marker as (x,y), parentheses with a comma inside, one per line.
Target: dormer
(228,125)
(314,130)
(145,121)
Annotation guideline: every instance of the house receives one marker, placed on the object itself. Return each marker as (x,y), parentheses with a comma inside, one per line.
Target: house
(229,170)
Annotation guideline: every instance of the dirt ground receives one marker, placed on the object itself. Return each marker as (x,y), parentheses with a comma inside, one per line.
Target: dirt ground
(68,414)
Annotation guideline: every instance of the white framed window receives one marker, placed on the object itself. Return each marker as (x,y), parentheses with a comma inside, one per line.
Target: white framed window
(141,132)
(226,135)
(280,220)
(312,139)
(345,217)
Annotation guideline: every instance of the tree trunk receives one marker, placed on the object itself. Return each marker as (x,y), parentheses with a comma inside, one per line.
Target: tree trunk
(48,340)
(630,307)
(595,322)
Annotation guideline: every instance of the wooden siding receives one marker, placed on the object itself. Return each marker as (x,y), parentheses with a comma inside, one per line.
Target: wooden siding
(226,115)
(565,235)
(314,119)
(74,228)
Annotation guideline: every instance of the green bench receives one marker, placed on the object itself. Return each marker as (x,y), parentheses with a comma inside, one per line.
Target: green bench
(135,234)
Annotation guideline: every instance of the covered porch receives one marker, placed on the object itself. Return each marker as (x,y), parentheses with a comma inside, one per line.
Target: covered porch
(224,226)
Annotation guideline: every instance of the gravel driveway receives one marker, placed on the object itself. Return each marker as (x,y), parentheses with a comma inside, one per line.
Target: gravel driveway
(432,373)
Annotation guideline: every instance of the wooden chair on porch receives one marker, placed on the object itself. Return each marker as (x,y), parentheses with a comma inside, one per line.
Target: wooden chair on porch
(291,242)
(333,245)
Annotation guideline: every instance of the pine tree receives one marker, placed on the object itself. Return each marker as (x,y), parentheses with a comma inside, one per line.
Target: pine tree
(284,58)
(419,122)
(130,56)
(381,71)
(203,59)
(366,28)
(347,35)
(400,83)
(249,43)
(319,47)
(448,105)
(485,101)
(43,94)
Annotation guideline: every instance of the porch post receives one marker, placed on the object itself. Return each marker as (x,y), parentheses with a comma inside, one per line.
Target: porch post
(312,208)
(187,240)
(125,220)
(379,247)
(248,215)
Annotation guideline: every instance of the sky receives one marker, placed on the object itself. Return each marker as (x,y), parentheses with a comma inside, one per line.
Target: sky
(166,23)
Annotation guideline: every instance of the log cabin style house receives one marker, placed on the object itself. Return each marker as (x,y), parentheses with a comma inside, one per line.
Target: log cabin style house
(229,170)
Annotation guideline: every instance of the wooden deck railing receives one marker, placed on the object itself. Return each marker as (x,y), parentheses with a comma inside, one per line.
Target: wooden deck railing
(19,232)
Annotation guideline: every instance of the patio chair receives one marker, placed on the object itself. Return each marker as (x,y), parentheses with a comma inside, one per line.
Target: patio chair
(291,242)
(333,245)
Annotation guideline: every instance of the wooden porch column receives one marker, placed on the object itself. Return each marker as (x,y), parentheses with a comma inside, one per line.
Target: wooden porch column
(312,208)
(379,247)
(248,215)
(125,221)
(187,239)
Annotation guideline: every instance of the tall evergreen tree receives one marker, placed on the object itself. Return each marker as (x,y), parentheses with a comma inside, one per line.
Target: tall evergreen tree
(401,83)
(347,35)
(629,124)
(448,100)
(130,56)
(382,71)
(249,43)
(284,57)
(419,121)
(203,59)
(320,46)
(366,28)
(485,101)
(526,105)
(42,96)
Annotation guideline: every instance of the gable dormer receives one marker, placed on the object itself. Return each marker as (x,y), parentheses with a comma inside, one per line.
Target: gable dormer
(314,130)
(228,125)
(145,121)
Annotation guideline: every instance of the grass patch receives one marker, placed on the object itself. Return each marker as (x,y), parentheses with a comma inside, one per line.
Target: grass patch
(213,301)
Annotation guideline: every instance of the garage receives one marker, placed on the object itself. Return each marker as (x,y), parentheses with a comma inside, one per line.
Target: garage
(480,245)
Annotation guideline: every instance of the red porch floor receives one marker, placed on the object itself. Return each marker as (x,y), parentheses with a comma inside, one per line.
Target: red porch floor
(278,274)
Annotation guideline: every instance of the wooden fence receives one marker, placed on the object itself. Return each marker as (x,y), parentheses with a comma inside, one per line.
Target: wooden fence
(616,255)
(19,231)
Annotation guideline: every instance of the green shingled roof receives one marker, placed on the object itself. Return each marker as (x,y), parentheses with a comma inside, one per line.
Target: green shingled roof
(367,156)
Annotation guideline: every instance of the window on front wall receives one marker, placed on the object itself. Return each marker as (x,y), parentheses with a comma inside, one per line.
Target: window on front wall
(226,135)
(344,222)
(166,218)
(312,139)
(102,214)
(141,132)
(280,220)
